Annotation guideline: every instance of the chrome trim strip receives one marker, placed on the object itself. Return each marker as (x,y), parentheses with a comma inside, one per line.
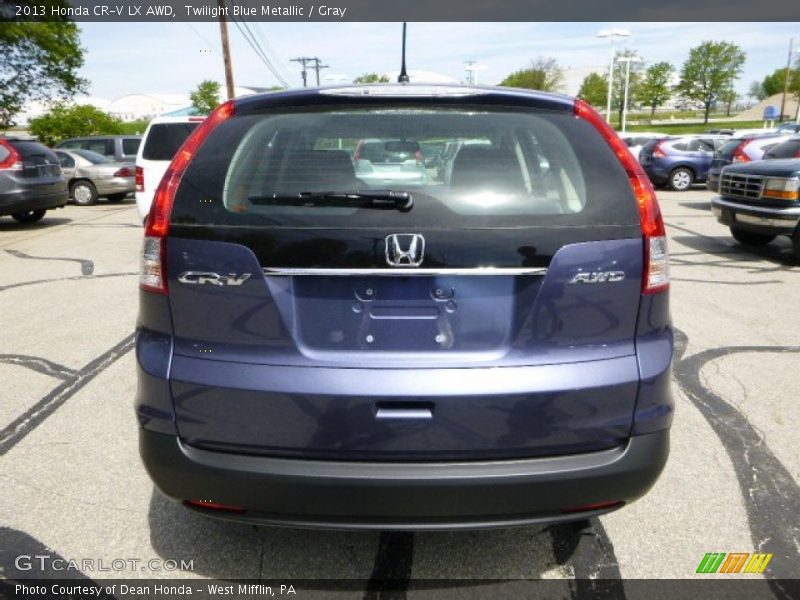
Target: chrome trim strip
(403,272)
(788,213)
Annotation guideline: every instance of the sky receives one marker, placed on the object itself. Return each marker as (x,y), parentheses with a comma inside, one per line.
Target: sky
(172,58)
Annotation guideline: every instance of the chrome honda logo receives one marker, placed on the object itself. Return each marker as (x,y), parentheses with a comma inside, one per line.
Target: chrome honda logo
(405,249)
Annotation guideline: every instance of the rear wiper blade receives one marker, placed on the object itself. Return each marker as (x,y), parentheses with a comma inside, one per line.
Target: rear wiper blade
(387,199)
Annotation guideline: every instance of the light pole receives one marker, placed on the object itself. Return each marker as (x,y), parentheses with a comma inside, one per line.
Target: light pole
(627,60)
(612,34)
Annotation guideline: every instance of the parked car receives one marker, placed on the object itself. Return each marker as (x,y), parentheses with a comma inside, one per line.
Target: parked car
(385,162)
(740,149)
(788,128)
(787,149)
(162,139)
(118,148)
(635,141)
(679,162)
(759,201)
(31,182)
(91,176)
(316,350)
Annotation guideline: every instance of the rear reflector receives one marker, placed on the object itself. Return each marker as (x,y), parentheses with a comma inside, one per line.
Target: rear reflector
(151,271)
(591,507)
(215,506)
(655,277)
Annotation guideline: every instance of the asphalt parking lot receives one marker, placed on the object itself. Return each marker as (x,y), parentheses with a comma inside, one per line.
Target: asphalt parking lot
(73,485)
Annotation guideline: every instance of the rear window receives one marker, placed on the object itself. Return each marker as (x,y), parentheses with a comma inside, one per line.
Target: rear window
(34,152)
(92,157)
(790,149)
(164,139)
(130,146)
(498,168)
(728,148)
(104,147)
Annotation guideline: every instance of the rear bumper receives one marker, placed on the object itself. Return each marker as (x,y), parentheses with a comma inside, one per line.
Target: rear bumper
(23,201)
(391,495)
(758,219)
(115,185)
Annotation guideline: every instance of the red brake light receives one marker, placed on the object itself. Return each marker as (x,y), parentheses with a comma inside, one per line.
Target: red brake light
(13,161)
(418,156)
(215,506)
(595,506)
(153,275)
(658,152)
(139,179)
(123,172)
(357,153)
(656,258)
(739,155)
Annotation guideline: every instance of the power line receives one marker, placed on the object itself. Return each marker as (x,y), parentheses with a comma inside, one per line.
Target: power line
(278,60)
(247,34)
(203,38)
(305,61)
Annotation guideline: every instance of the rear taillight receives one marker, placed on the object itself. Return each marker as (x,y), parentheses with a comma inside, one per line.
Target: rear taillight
(357,153)
(139,179)
(655,277)
(12,162)
(739,155)
(418,156)
(153,276)
(658,152)
(123,172)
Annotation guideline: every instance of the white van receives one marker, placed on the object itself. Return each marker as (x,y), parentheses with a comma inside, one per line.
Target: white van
(162,139)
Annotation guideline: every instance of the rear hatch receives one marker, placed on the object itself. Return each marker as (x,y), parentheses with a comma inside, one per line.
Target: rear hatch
(318,315)
(723,155)
(41,169)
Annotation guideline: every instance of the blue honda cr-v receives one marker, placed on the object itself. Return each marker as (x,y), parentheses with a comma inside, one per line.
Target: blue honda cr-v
(492,350)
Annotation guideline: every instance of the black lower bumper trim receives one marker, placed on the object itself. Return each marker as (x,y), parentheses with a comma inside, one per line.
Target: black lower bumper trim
(362,495)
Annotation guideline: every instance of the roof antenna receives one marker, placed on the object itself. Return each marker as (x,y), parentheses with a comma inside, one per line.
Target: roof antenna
(403,77)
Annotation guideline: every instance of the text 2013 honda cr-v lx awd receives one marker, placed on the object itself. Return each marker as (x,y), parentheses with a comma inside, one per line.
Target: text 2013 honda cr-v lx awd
(486,347)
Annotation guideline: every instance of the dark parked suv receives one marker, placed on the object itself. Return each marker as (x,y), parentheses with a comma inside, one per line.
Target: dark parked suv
(760,200)
(31,182)
(313,350)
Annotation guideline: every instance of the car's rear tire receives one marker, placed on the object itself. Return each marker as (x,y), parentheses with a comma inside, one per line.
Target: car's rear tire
(83,193)
(29,216)
(748,238)
(681,179)
(116,197)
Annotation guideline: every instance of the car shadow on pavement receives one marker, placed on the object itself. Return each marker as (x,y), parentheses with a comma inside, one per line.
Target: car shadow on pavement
(226,549)
(9,224)
(704,205)
(736,256)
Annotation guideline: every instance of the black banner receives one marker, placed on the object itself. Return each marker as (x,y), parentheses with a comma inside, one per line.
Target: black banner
(408,10)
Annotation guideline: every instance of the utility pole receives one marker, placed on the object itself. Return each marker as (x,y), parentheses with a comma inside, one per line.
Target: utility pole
(317,67)
(470,71)
(786,78)
(305,61)
(226,49)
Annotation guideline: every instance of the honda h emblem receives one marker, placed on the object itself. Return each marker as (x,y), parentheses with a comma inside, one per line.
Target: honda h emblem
(405,249)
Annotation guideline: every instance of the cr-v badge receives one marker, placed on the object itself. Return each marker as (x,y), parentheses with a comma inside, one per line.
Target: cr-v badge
(204,277)
(598,277)
(405,249)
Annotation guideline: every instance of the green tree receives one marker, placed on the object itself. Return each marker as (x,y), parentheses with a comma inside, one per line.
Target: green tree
(371,78)
(39,61)
(543,74)
(65,121)
(655,88)
(709,71)
(756,91)
(206,97)
(594,89)
(634,80)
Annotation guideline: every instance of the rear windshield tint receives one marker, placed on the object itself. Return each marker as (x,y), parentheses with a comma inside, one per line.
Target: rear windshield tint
(35,152)
(130,146)
(164,140)
(728,148)
(789,149)
(495,168)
